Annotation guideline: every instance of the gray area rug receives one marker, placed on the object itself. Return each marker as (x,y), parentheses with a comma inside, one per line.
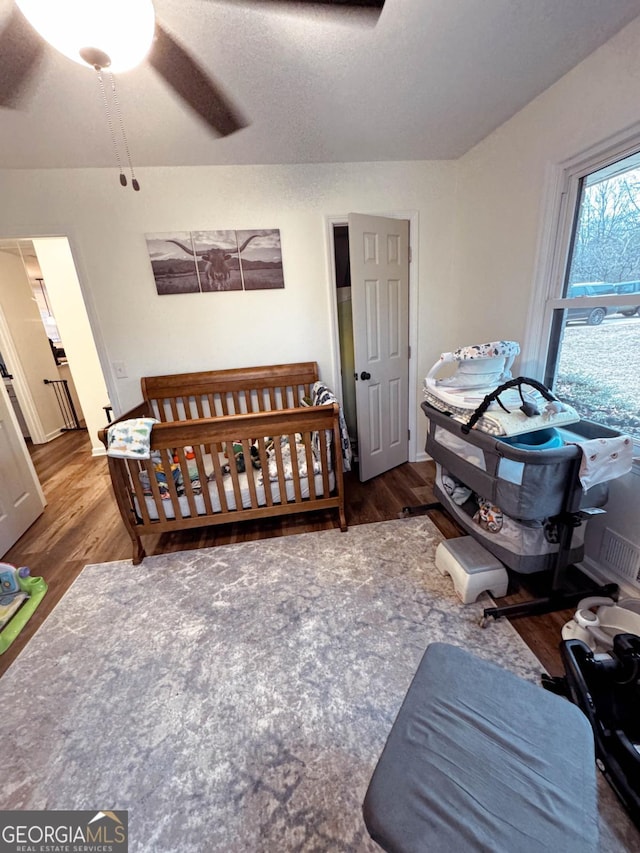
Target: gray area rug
(237,698)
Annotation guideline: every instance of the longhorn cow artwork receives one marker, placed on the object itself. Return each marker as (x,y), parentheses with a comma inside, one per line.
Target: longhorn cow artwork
(213,261)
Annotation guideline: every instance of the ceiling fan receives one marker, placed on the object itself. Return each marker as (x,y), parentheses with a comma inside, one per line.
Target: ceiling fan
(22,45)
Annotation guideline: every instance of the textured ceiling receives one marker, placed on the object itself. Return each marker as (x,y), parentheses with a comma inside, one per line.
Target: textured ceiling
(429,81)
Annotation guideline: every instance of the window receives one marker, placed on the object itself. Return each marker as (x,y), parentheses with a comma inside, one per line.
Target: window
(593,356)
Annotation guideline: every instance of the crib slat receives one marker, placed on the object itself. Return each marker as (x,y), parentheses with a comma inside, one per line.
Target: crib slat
(311,479)
(294,468)
(215,450)
(165,464)
(277,447)
(202,476)
(133,469)
(149,467)
(264,466)
(233,471)
(199,403)
(325,462)
(246,450)
(173,401)
(206,401)
(186,481)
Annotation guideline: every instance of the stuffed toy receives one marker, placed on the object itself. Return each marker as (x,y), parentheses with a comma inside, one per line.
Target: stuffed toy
(488,516)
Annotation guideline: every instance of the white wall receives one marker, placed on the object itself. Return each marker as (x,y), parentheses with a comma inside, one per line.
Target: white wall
(503,182)
(153,334)
(58,270)
(504,190)
(34,357)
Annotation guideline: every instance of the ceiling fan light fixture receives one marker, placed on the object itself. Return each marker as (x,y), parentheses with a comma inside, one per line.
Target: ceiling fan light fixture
(121,30)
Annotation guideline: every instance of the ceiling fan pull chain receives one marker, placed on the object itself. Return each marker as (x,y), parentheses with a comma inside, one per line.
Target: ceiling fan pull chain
(114,94)
(123,177)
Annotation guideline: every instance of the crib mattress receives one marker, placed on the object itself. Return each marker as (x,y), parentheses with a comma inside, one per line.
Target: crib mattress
(229,493)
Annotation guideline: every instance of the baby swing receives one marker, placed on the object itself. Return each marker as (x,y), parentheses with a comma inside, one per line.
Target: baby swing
(597,621)
(483,369)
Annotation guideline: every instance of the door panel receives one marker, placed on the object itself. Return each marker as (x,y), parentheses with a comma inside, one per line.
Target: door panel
(395,399)
(21,500)
(375,418)
(379,259)
(394,321)
(373,321)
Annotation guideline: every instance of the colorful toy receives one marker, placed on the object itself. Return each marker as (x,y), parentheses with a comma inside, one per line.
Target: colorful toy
(238,453)
(20,595)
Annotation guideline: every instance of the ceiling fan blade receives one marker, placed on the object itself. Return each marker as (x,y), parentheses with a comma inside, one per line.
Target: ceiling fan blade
(191,82)
(369,4)
(372,7)
(21,50)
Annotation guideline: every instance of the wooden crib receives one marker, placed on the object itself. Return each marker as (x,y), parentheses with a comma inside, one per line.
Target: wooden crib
(214,424)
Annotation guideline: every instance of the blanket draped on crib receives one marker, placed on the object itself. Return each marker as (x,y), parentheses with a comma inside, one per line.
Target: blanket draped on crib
(322,396)
(130,439)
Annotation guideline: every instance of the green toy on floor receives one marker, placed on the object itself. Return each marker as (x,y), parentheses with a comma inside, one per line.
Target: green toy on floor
(20,595)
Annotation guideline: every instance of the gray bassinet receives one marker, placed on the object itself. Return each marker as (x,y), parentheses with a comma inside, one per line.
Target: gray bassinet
(530,487)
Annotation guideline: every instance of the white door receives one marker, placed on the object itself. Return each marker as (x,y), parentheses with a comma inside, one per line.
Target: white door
(21,498)
(379,260)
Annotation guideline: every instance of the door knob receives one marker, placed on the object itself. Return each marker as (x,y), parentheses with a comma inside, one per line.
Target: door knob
(365,375)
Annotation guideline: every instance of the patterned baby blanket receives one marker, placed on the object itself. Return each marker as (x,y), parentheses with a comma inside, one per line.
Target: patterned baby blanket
(322,396)
(496,421)
(130,439)
(604,459)
(287,463)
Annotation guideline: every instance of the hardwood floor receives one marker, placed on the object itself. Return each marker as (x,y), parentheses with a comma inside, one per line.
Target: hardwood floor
(81,525)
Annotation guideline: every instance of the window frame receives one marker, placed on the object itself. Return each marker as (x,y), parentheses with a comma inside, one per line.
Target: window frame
(560,211)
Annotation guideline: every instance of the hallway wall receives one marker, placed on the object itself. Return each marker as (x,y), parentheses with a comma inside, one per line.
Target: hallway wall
(31,345)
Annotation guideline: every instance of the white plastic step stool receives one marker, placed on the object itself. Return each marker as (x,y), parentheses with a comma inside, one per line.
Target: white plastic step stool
(472,568)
